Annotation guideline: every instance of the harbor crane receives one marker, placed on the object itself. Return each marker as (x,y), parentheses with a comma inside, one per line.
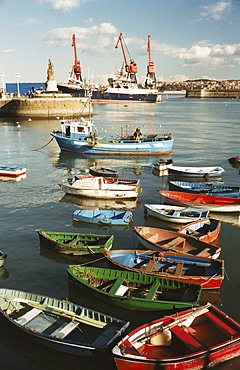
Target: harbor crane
(151,79)
(131,67)
(76,68)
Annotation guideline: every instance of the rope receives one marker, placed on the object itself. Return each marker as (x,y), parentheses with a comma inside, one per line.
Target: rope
(43,145)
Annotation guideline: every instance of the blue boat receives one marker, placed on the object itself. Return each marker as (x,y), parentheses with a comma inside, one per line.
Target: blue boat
(206,189)
(75,136)
(103,217)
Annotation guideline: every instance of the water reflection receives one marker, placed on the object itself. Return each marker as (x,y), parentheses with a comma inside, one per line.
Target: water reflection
(90,203)
(13,179)
(4,274)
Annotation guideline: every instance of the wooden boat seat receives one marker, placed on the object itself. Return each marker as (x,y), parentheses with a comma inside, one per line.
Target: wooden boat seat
(226,329)
(116,288)
(27,317)
(187,339)
(204,253)
(67,329)
(104,337)
(152,290)
(149,266)
(179,269)
(173,243)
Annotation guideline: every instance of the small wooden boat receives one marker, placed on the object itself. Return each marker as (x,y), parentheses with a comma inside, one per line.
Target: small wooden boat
(12,171)
(60,324)
(103,217)
(206,188)
(103,187)
(3,257)
(74,243)
(175,214)
(193,339)
(101,171)
(210,203)
(195,171)
(171,265)
(134,291)
(160,239)
(205,230)
(163,164)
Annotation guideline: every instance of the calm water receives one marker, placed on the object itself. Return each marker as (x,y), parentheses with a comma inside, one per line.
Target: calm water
(206,132)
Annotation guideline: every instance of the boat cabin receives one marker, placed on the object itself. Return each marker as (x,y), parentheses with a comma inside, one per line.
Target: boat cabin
(77,129)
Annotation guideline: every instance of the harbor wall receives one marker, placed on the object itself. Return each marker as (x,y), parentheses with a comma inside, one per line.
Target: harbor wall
(206,93)
(42,107)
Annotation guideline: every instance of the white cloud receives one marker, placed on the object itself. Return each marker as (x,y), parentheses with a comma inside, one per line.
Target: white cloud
(8,51)
(89,20)
(65,5)
(216,11)
(29,22)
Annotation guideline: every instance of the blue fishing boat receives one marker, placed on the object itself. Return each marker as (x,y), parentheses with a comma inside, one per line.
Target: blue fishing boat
(205,188)
(80,137)
(103,217)
(12,171)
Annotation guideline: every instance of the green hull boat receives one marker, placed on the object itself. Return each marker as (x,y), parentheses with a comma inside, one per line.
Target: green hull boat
(74,243)
(133,290)
(3,256)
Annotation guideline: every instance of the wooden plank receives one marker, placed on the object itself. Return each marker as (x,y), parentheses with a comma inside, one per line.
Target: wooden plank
(116,286)
(187,339)
(173,243)
(179,268)
(220,324)
(66,330)
(152,290)
(150,265)
(28,316)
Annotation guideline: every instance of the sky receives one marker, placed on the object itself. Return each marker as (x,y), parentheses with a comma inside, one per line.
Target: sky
(190,39)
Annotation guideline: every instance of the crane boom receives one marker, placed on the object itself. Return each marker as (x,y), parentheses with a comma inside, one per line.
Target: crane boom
(131,67)
(151,76)
(76,68)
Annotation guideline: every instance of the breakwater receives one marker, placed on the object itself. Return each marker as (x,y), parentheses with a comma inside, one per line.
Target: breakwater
(210,93)
(45,106)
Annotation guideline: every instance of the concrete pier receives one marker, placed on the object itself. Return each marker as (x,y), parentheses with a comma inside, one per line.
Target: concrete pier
(46,106)
(211,93)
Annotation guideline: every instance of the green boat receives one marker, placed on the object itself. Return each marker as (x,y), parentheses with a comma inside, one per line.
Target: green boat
(133,290)
(74,243)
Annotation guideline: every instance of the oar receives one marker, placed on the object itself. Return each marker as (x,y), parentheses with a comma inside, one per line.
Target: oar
(63,313)
(198,311)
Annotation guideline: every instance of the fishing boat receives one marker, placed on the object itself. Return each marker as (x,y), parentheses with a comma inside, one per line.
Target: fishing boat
(104,172)
(102,187)
(12,171)
(205,230)
(195,171)
(69,139)
(171,265)
(206,188)
(163,164)
(160,239)
(134,291)
(75,243)
(193,339)
(60,324)
(209,203)
(174,213)
(103,217)
(3,257)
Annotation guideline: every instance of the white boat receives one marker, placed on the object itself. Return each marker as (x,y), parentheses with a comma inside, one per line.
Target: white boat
(174,213)
(163,164)
(195,171)
(102,187)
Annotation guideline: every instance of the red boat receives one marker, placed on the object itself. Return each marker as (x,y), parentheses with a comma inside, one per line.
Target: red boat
(205,230)
(210,203)
(193,339)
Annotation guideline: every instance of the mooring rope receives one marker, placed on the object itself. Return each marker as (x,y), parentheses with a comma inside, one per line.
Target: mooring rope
(43,145)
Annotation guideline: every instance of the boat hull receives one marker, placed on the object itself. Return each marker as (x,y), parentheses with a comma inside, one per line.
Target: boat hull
(205,230)
(66,243)
(209,203)
(206,189)
(12,171)
(150,148)
(181,215)
(197,172)
(105,217)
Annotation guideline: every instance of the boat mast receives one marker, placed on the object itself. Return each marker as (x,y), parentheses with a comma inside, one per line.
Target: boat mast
(76,68)
(151,75)
(131,67)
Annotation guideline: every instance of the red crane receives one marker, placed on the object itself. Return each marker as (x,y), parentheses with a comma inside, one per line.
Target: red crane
(76,68)
(131,67)
(151,75)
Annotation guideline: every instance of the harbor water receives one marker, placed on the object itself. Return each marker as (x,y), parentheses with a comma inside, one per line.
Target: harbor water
(206,133)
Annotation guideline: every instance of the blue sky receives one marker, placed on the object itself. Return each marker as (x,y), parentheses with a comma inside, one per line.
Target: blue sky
(190,39)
